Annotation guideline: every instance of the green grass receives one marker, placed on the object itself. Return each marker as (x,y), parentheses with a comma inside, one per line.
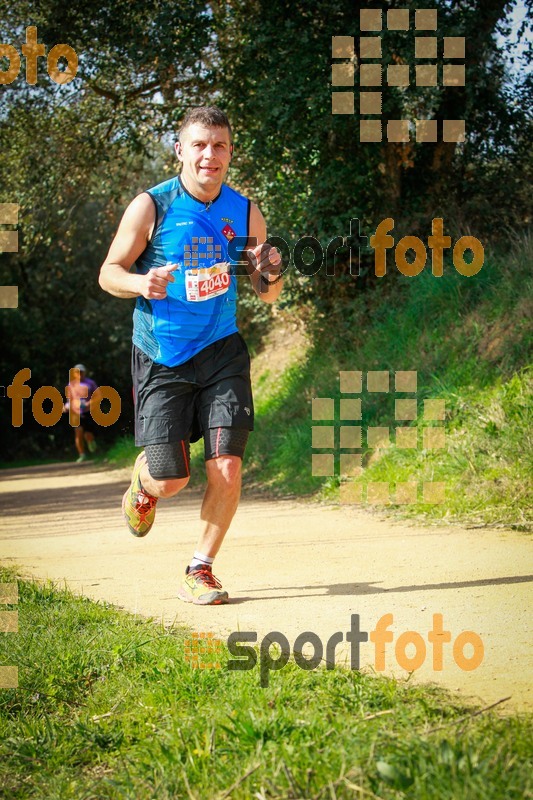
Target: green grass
(486,464)
(107,707)
(122,452)
(469,339)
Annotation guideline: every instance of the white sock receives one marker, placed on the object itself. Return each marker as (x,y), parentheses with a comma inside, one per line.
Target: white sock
(199,558)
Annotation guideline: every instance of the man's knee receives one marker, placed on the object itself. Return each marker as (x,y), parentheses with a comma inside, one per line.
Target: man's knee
(225,471)
(168,487)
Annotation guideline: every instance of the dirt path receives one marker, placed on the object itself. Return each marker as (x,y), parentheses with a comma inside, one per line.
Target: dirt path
(289,567)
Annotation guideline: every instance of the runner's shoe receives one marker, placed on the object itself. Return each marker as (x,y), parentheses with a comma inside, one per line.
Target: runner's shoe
(202,588)
(92,446)
(81,458)
(138,507)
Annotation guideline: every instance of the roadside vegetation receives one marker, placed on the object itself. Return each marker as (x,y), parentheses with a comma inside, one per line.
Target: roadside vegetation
(109,707)
(470,341)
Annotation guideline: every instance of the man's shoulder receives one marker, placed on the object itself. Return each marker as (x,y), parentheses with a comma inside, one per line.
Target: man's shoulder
(230,193)
(170,185)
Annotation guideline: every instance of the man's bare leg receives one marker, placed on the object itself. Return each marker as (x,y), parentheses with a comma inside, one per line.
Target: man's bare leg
(157,488)
(140,499)
(79,440)
(90,441)
(220,501)
(218,508)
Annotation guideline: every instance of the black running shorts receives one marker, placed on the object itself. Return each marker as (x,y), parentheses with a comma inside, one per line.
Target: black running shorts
(210,390)
(88,424)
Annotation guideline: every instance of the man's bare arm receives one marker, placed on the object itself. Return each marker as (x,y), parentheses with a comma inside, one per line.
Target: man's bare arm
(130,241)
(264,261)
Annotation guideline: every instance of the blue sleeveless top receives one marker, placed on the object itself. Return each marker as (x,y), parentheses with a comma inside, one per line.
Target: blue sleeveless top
(200,306)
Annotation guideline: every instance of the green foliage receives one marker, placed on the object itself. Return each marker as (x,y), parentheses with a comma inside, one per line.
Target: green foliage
(108,707)
(306,165)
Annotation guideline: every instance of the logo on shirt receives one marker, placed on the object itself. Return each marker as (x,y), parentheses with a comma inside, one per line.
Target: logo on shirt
(228,232)
(226,219)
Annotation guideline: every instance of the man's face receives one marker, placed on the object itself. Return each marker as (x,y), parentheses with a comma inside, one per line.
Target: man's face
(205,154)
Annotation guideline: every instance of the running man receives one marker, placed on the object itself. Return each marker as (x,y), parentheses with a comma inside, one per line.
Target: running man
(190,365)
(79,392)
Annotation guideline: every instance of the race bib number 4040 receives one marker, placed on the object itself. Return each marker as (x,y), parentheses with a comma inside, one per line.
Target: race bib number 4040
(203,284)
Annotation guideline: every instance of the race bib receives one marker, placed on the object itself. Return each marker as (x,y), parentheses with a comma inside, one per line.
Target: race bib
(203,284)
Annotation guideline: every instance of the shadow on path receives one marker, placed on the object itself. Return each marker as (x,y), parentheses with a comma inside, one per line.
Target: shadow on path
(360,589)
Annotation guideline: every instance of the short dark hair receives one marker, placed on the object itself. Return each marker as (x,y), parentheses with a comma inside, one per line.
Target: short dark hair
(209,116)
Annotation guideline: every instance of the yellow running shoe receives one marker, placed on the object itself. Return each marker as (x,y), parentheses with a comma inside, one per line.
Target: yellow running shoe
(202,588)
(138,507)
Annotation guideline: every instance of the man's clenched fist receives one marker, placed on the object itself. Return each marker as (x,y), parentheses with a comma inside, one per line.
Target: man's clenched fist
(155,282)
(265,259)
